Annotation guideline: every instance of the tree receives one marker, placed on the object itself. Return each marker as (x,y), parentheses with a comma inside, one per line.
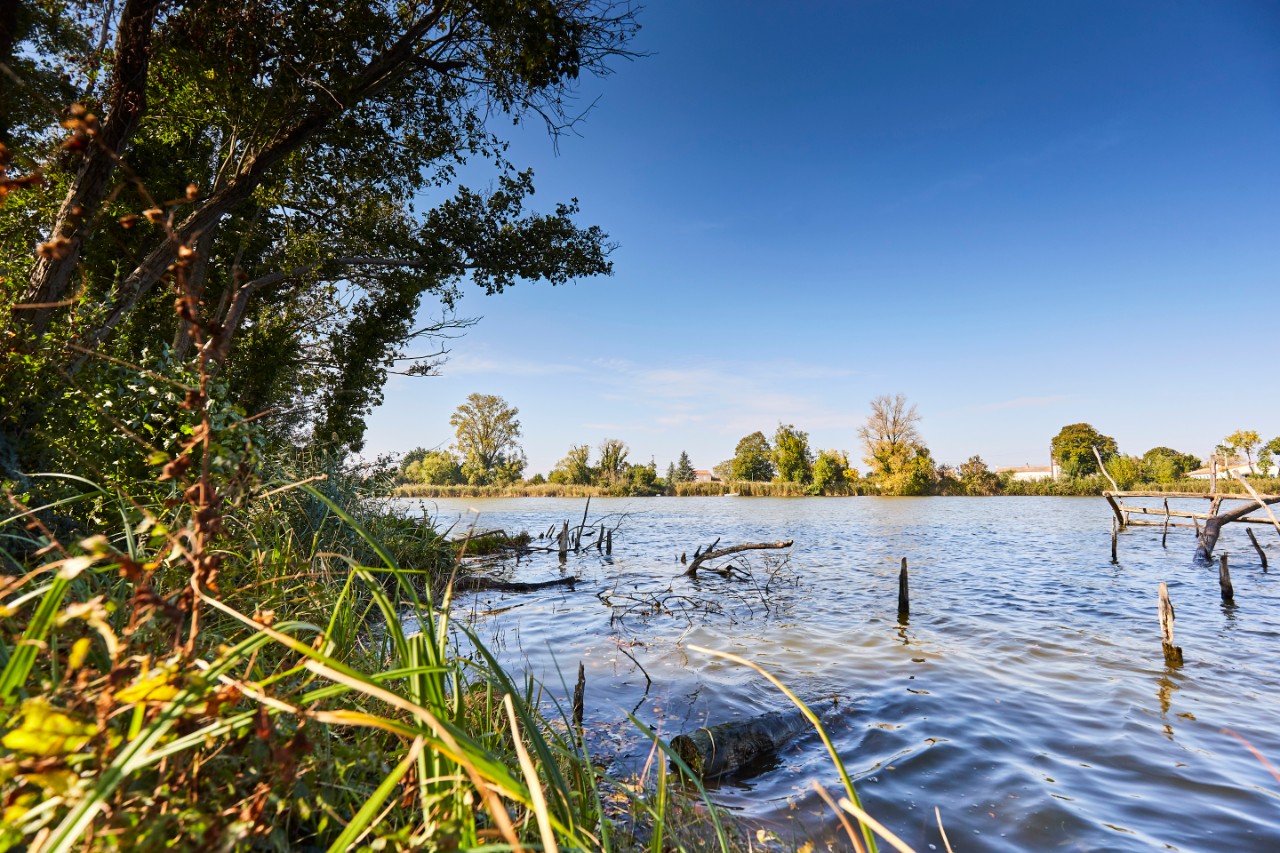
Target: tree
(889,432)
(1125,470)
(1072,449)
(575,468)
(488,439)
(899,462)
(723,471)
(1166,465)
(613,462)
(791,454)
(671,474)
(293,141)
(643,479)
(976,478)
(915,474)
(1243,441)
(436,468)
(684,472)
(829,472)
(1267,456)
(753,459)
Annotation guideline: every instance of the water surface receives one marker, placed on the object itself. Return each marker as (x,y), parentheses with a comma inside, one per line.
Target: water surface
(1026,697)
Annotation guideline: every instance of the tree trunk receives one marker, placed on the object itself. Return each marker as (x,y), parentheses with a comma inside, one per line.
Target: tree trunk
(52,276)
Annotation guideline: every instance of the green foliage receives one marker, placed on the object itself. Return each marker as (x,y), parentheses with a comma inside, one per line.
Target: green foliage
(1072,449)
(1166,465)
(911,472)
(1126,470)
(287,147)
(435,468)
(791,454)
(684,471)
(829,473)
(575,468)
(643,479)
(488,439)
(1267,457)
(753,459)
(1242,441)
(975,478)
(613,467)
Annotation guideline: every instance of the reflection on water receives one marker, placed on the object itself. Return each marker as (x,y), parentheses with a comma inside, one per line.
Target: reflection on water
(1026,695)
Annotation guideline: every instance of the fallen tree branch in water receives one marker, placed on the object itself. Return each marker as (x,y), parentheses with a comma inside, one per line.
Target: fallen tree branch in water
(735,549)
(480,583)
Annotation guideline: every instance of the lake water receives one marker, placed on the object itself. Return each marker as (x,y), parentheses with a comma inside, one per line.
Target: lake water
(1026,697)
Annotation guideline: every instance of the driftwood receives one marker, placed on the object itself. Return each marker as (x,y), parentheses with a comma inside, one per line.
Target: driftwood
(699,559)
(1224,581)
(480,583)
(1172,653)
(732,748)
(1262,555)
(1213,526)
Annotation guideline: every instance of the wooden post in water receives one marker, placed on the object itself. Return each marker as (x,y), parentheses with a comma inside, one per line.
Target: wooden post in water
(1172,653)
(1164,539)
(1114,534)
(608,542)
(564,542)
(578,542)
(1224,581)
(1262,555)
(579,698)
(904,597)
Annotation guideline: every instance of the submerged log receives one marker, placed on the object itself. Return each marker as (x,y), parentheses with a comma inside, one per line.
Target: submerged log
(480,583)
(734,549)
(731,748)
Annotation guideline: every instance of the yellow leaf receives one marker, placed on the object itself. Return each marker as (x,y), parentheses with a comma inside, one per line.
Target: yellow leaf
(79,650)
(56,782)
(44,731)
(155,688)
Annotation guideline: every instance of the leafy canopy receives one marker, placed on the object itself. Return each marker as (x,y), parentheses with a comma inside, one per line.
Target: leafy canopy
(1072,448)
(488,440)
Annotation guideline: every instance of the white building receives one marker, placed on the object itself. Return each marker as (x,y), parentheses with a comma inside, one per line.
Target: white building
(1033,472)
(1235,465)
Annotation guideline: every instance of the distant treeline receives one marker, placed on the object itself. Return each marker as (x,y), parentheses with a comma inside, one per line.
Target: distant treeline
(1001,485)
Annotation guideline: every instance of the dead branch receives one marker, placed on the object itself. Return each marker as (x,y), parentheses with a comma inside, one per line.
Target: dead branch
(734,549)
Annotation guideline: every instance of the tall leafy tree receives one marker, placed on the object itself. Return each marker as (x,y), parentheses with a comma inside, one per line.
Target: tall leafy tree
(613,461)
(296,163)
(791,454)
(488,439)
(1267,456)
(753,459)
(575,467)
(1243,441)
(1072,448)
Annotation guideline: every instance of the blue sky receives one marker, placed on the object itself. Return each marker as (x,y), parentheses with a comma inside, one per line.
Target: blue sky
(1020,215)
